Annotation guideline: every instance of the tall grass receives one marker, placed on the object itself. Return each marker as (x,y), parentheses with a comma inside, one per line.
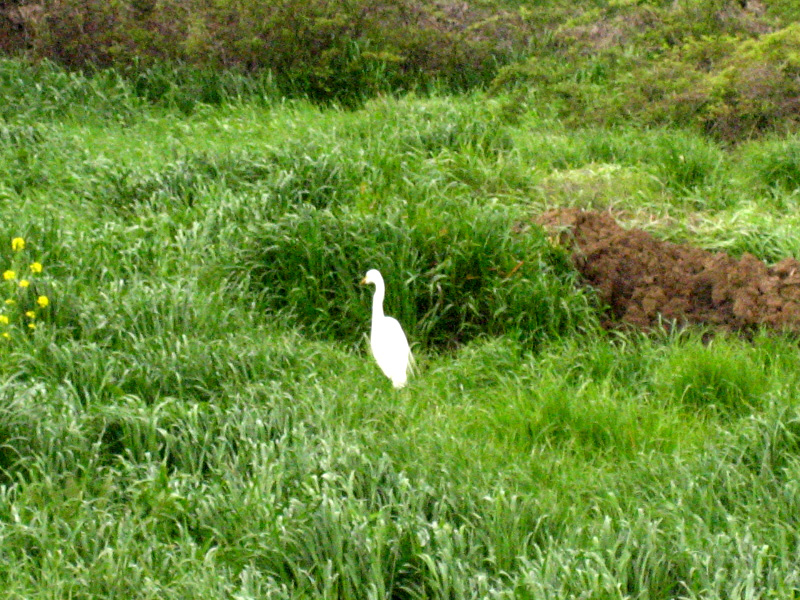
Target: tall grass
(198,415)
(451,276)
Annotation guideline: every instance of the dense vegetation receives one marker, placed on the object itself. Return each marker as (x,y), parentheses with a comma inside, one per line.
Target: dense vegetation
(194,412)
(728,67)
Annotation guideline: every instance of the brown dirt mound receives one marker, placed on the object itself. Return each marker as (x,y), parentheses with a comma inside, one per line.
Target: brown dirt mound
(646,281)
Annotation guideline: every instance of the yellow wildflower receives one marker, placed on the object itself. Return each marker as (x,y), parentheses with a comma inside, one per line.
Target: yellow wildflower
(11,302)
(32,325)
(36,267)
(43,301)
(6,334)
(9,275)
(17,244)
(3,320)
(24,283)
(30,314)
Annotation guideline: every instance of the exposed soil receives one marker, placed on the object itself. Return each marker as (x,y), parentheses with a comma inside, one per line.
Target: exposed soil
(646,281)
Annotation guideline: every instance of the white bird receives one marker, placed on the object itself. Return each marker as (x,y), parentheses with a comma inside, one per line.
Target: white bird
(387,340)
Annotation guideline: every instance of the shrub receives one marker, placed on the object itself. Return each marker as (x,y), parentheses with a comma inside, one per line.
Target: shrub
(711,65)
(758,87)
(451,276)
(320,49)
(786,10)
(732,88)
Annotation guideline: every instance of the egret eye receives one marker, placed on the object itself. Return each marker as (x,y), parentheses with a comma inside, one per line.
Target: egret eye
(387,339)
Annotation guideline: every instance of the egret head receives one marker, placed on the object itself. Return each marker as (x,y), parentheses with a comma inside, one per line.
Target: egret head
(373,276)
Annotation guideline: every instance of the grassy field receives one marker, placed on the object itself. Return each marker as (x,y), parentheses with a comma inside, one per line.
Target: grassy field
(196,415)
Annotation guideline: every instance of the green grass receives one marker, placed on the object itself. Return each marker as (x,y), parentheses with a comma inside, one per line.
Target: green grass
(197,413)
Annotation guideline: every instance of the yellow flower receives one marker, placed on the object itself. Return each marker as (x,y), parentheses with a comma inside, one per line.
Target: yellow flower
(32,325)
(3,320)
(6,334)
(24,283)
(17,244)
(11,302)
(30,314)
(9,275)
(43,301)
(36,267)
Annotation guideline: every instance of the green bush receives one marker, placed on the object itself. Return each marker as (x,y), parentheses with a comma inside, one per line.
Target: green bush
(730,87)
(451,276)
(326,51)
(714,66)
(757,88)
(786,10)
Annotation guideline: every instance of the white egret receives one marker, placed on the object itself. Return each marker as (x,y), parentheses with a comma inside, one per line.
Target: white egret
(387,340)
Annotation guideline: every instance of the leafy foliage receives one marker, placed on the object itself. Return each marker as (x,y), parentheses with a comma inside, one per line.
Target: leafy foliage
(725,70)
(732,88)
(322,50)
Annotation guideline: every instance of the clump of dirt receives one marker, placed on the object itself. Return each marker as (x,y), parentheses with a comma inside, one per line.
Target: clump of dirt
(647,282)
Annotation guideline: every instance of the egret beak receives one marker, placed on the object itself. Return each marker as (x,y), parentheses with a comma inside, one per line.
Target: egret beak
(363,281)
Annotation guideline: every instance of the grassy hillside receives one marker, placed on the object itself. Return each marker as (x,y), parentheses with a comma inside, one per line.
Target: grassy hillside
(195,413)
(728,68)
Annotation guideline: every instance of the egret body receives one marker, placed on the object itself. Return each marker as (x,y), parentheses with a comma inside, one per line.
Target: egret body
(387,339)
